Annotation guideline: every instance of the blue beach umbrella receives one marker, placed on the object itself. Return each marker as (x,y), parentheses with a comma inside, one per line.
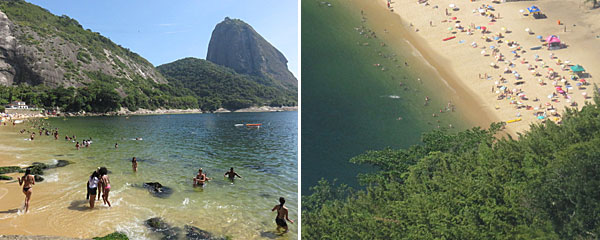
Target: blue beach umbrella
(533,9)
(539,37)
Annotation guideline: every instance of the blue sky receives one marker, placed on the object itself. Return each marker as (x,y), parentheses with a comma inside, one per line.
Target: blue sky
(164,31)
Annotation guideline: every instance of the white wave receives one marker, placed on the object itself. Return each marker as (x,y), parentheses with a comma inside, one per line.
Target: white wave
(53,177)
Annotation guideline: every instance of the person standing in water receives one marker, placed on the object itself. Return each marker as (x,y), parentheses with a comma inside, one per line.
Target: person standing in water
(105,185)
(282,215)
(27,181)
(231,174)
(116,145)
(93,186)
(201,178)
(134,164)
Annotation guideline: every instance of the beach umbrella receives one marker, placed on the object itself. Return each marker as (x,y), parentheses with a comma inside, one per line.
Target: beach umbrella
(452,5)
(540,117)
(503,29)
(533,9)
(453,18)
(527,30)
(577,68)
(539,37)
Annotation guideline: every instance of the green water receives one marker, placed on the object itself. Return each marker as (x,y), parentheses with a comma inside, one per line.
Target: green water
(347,106)
(172,150)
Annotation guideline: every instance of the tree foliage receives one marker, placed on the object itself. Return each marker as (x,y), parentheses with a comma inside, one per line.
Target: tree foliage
(217,86)
(472,185)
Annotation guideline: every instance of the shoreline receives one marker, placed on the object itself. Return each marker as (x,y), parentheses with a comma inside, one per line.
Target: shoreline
(395,27)
(459,65)
(142,112)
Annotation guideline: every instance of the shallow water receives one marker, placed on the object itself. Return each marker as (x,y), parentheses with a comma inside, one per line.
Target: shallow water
(172,150)
(358,97)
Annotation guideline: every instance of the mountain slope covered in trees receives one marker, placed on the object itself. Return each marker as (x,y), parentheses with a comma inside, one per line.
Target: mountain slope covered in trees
(216,86)
(472,185)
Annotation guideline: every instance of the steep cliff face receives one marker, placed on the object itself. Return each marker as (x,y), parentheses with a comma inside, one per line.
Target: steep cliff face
(37,47)
(236,45)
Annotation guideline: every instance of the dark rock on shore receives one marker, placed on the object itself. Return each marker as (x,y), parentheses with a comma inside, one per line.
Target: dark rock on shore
(9,169)
(2,177)
(113,236)
(158,190)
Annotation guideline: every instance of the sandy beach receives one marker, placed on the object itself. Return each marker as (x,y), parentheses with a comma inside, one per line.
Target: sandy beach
(465,61)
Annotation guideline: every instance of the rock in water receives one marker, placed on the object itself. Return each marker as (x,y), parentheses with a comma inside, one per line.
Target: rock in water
(236,45)
(160,226)
(158,190)
(194,233)
(62,163)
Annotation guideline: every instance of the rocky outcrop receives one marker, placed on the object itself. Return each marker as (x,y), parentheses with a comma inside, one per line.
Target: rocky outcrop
(158,190)
(50,56)
(159,225)
(236,45)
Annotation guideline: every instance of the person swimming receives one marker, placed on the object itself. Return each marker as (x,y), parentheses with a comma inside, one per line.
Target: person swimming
(201,178)
(27,181)
(231,174)
(282,215)
(116,145)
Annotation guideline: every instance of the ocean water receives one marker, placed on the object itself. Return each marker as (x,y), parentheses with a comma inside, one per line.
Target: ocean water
(172,150)
(360,92)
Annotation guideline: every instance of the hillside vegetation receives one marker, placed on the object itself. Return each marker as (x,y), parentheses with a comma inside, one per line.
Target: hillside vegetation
(58,64)
(472,185)
(216,86)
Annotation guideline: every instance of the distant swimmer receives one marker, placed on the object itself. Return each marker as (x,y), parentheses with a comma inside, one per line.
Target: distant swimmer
(27,181)
(116,145)
(399,118)
(134,164)
(77,146)
(201,178)
(231,174)
(282,215)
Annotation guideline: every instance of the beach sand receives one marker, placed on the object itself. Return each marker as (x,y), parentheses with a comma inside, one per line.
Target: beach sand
(460,65)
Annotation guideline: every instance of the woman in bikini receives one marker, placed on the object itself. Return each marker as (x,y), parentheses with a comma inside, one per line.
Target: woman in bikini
(27,181)
(282,215)
(201,178)
(105,185)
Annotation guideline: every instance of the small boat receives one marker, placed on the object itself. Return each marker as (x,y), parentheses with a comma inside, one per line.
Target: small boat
(253,125)
(239,125)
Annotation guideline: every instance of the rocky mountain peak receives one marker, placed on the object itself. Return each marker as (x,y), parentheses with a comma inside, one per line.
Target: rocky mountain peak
(235,44)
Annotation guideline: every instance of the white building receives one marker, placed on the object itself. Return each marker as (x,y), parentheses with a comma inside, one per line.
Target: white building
(17,105)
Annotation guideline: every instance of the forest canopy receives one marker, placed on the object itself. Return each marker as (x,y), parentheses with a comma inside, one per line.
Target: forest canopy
(472,184)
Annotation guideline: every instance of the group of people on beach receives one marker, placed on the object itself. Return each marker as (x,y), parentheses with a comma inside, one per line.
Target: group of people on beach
(98,180)
(99,185)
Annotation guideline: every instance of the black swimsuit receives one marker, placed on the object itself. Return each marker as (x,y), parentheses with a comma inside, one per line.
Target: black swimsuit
(280,221)
(25,189)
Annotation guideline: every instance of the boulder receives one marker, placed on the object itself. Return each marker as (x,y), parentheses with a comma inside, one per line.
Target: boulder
(158,225)
(158,190)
